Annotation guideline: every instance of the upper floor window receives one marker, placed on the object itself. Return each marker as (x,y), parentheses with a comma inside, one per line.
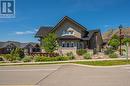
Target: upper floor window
(65,32)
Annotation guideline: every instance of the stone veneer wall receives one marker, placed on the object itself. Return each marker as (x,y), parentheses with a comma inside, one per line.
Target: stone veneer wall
(66,50)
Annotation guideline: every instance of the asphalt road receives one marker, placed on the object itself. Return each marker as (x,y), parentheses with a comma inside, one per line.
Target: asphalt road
(64,75)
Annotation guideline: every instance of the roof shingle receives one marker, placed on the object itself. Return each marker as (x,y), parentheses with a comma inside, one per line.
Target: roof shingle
(43,31)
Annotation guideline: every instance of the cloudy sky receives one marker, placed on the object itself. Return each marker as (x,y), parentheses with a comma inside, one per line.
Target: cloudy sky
(31,14)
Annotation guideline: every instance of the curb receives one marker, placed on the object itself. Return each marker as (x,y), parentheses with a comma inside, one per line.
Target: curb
(91,66)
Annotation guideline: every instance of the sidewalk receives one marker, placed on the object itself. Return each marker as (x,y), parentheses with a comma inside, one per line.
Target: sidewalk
(53,62)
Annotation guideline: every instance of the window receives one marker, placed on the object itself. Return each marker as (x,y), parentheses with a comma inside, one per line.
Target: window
(70,32)
(72,44)
(63,44)
(67,44)
(65,32)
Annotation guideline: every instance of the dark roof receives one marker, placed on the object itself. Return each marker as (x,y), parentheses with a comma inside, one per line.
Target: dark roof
(24,45)
(90,34)
(70,19)
(43,31)
(17,44)
(68,37)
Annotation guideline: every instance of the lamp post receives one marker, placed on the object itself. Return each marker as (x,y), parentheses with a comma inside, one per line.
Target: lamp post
(120,27)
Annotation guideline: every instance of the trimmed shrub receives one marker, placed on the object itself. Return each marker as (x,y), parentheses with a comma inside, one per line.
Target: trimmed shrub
(70,55)
(113,55)
(27,59)
(42,59)
(62,58)
(87,55)
(81,51)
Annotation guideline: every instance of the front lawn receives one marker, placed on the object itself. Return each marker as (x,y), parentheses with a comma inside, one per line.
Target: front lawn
(104,63)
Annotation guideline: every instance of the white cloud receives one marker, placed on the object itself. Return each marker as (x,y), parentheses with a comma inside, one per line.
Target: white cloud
(106,26)
(24,32)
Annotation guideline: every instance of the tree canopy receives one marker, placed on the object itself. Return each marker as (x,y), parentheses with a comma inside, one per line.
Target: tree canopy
(114,43)
(50,43)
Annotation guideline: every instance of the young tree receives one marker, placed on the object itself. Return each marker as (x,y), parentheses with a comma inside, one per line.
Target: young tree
(114,43)
(50,43)
(115,37)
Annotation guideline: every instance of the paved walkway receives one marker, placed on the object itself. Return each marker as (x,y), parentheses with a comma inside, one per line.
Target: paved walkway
(64,75)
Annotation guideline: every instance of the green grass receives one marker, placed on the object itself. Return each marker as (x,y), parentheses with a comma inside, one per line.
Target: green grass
(93,63)
(104,63)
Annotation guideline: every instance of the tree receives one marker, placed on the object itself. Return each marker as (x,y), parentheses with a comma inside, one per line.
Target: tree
(50,43)
(115,37)
(114,43)
(16,54)
(125,40)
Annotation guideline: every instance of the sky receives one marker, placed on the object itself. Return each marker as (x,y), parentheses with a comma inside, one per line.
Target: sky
(93,14)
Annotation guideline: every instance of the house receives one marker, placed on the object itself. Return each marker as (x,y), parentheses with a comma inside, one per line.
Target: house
(7,47)
(72,35)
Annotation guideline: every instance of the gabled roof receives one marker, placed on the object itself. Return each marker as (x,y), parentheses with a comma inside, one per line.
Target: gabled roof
(43,31)
(70,19)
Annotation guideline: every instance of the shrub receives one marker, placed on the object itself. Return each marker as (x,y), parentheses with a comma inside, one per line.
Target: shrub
(39,59)
(21,53)
(42,59)
(108,51)
(9,57)
(81,51)
(87,55)
(94,51)
(62,58)
(1,58)
(27,59)
(70,55)
(18,58)
(113,55)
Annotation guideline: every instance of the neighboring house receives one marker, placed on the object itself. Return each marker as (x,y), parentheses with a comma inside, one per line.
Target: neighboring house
(7,47)
(72,35)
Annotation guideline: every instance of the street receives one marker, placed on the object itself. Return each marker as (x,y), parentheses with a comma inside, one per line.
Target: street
(65,75)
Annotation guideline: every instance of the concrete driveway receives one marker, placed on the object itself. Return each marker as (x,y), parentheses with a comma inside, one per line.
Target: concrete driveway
(65,75)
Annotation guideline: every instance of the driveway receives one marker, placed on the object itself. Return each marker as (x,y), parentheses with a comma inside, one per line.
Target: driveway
(65,75)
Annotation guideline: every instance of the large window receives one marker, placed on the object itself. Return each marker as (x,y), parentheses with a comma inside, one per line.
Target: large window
(67,44)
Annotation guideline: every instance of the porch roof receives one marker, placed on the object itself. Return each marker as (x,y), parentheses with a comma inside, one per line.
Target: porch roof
(69,37)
